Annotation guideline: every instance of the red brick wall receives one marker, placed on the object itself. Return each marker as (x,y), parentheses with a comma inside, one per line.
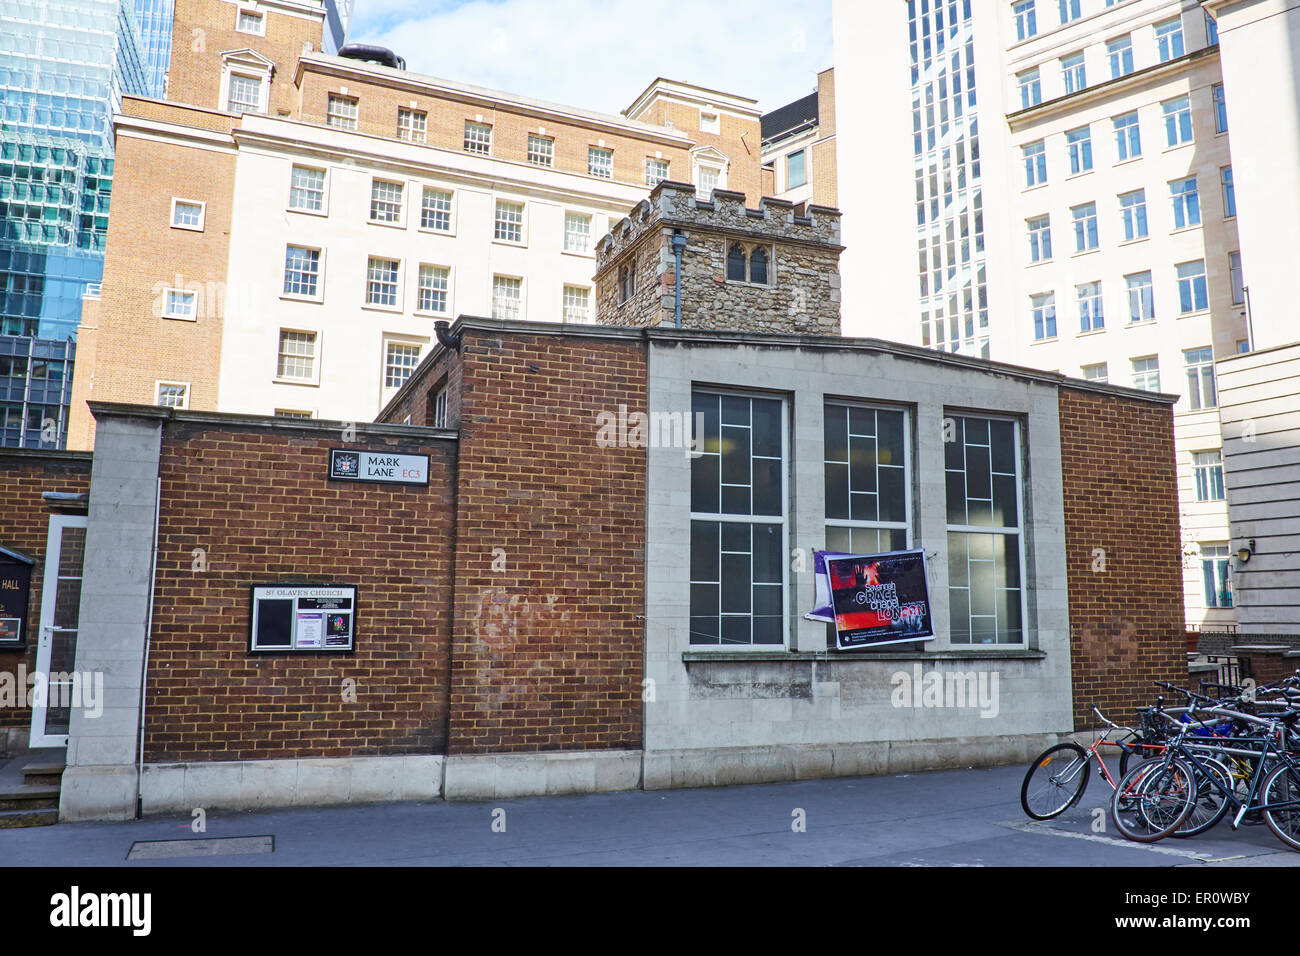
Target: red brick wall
(547,653)
(24,525)
(1121,495)
(445,369)
(258,501)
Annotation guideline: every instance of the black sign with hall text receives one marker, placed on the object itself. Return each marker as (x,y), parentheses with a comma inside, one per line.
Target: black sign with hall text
(15,588)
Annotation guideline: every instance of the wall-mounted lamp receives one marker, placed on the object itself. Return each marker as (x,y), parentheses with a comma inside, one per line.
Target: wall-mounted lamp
(1245,551)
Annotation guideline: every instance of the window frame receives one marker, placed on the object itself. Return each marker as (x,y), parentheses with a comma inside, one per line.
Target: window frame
(367,290)
(1168,35)
(346,122)
(803,170)
(262,82)
(1236,277)
(241,12)
(419,289)
(324,190)
(1146,292)
(1040,239)
(1192,283)
(203,212)
(1134,215)
(541,158)
(590,250)
(1079,149)
(1227,192)
(1090,294)
(158,386)
(1034,156)
(1042,310)
(657,160)
(1204,476)
(521,226)
(594,168)
(387,345)
(519,308)
(1127,136)
(399,203)
(1133,370)
(477,141)
(1174,121)
(191,295)
(1185,203)
(425,189)
(1087,236)
(1203,373)
(409,133)
(907,525)
(312,380)
(319,294)
(564,304)
(1213,563)
(1119,56)
(1074,73)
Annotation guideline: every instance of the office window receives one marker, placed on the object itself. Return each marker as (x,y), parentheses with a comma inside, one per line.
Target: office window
(307,189)
(435,283)
(1178,120)
(187,215)
(1146,373)
(1229,194)
(1208,468)
(1031,90)
(297,356)
(706,180)
(301,271)
(866,477)
(438,418)
(1068,9)
(795,173)
(1091,314)
(1133,213)
(381,281)
(400,360)
(1128,138)
(1169,40)
(1234,273)
(1085,226)
(656,171)
(435,210)
(541,150)
(1035,156)
(173,395)
(737,556)
(478,138)
(577,233)
(507,294)
(985,562)
(1211,29)
(1141,301)
(1026,19)
(1072,73)
(1120,54)
(1078,143)
(341,111)
(249,22)
(1095,373)
(412,125)
(1220,109)
(1186,202)
(577,304)
(600,162)
(1043,308)
(1216,575)
(385,201)
(177,304)
(1192,296)
(509,221)
(1200,378)
(1040,238)
(244,94)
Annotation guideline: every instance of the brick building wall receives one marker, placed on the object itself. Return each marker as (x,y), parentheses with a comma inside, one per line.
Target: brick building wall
(258,503)
(739,138)
(550,555)
(825,164)
(1122,552)
(24,526)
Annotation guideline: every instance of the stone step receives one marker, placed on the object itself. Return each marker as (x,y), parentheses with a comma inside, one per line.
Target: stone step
(45,770)
(10,819)
(29,797)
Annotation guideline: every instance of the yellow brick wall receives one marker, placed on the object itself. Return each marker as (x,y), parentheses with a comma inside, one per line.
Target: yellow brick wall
(825,164)
(741,140)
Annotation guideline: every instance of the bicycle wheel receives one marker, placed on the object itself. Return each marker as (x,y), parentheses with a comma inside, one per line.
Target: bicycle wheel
(1283,786)
(1152,801)
(1055,781)
(1127,761)
(1211,803)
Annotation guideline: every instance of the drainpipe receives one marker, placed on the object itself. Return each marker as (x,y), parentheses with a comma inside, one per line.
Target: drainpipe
(679,244)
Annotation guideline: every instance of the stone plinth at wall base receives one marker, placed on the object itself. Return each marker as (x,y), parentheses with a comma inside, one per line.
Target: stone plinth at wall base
(725,766)
(255,784)
(498,776)
(97,793)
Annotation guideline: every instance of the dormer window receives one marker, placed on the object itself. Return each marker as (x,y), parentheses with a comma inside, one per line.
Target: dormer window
(245,81)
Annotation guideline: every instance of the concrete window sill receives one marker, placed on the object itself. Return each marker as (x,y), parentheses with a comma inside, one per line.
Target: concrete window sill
(984,652)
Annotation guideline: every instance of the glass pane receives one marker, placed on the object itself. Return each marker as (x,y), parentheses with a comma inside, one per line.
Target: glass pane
(1004,501)
(837,491)
(957,560)
(704,630)
(1002,435)
(862,421)
(767,553)
(1009,616)
(63,652)
(704,551)
(767,427)
(704,600)
(864,507)
(736,630)
(893,501)
(956,497)
(959,615)
(897,539)
(735,537)
(862,464)
(1009,561)
(704,484)
(735,455)
(767,630)
(735,410)
(67,602)
(707,405)
(767,599)
(735,500)
(735,583)
(953,435)
(767,486)
(836,429)
(837,539)
(889,438)
(977,472)
(72,545)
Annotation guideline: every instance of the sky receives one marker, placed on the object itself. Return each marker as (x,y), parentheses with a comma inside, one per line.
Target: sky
(600,54)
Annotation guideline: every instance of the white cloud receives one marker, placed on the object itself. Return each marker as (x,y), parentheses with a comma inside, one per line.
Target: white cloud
(600,54)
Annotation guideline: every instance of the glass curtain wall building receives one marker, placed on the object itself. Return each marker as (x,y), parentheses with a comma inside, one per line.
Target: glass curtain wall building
(64,67)
(154,20)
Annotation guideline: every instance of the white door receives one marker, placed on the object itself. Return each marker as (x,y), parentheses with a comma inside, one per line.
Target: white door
(56,654)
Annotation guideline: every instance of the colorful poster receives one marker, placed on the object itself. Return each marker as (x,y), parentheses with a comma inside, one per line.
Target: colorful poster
(311,629)
(879,598)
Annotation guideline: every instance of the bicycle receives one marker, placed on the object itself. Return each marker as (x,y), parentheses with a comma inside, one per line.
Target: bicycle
(1057,777)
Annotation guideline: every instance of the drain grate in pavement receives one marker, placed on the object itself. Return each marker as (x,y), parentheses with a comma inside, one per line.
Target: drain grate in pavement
(213,846)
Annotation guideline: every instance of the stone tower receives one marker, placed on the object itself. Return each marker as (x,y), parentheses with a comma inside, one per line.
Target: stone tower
(751,270)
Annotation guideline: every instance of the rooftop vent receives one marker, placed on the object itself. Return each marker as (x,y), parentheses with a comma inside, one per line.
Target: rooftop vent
(372,54)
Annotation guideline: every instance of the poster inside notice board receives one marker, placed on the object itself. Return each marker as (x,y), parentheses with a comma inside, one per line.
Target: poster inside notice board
(15,588)
(873,599)
(303,618)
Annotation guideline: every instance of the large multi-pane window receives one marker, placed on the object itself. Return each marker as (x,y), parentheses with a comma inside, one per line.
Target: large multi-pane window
(1186,201)
(1078,144)
(507,293)
(1096,373)
(577,232)
(435,210)
(385,201)
(738,521)
(412,125)
(1235,275)
(1146,373)
(1133,213)
(1200,378)
(541,150)
(1141,297)
(381,281)
(1215,575)
(1178,120)
(1169,40)
(1229,194)
(577,303)
(867,482)
(244,94)
(1026,19)
(656,171)
(478,138)
(400,360)
(509,221)
(1207,467)
(1031,89)
(1035,156)
(1040,238)
(301,270)
(341,111)
(985,556)
(307,189)
(1069,10)
(1192,293)
(1128,136)
(435,282)
(1120,54)
(297,356)
(1091,314)
(600,162)
(1043,309)
(1085,226)
(1072,73)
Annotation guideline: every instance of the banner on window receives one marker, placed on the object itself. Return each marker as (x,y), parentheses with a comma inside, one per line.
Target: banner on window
(872,599)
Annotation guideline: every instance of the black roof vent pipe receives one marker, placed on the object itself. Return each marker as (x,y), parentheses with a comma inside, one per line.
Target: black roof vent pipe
(372,54)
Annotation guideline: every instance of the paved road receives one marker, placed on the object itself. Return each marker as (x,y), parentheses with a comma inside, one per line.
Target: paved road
(949,818)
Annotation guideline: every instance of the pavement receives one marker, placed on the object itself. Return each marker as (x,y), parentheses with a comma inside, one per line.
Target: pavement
(955,818)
